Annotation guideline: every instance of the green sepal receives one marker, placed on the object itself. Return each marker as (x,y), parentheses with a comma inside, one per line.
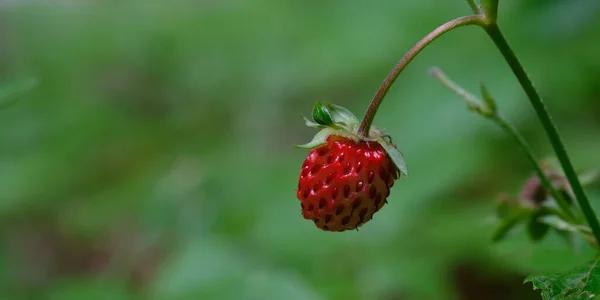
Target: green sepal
(311,124)
(321,114)
(331,115)
(513,219)
(321,137)
(395,155)
(342,116)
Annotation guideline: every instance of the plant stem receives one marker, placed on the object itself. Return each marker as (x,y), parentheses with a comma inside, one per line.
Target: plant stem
(363,130)
(562,203)
(473,6)
(474,103)
(495,34)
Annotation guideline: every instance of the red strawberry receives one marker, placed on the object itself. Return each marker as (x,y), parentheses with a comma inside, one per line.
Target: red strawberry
(345,179)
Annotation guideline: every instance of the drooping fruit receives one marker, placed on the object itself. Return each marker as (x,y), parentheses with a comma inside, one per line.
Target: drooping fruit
(346,178)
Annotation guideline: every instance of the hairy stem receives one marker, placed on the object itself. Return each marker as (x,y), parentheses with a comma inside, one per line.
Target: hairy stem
(562,203)
(561,153)
(363,130)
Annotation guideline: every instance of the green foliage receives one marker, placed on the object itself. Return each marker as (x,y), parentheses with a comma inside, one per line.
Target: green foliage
(536,228)
(577,284)
(170,123)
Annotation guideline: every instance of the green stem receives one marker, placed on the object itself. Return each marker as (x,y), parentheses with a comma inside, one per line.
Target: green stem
(496,35)
(363,130)
(474,103)
(473,6)
(562,203)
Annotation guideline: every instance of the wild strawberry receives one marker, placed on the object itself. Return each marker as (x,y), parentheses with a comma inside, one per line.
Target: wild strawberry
(345,179)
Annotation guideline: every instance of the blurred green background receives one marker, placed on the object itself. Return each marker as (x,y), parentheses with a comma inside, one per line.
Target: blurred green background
(153,158)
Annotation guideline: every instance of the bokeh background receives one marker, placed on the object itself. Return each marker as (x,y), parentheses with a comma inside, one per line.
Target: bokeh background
(146,147)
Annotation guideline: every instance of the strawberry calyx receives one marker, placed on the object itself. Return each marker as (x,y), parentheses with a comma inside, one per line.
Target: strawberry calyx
(334,120)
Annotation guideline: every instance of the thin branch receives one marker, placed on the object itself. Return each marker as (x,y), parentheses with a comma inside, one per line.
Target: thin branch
(363,131)
(473,6)
(542,112)
(475,103)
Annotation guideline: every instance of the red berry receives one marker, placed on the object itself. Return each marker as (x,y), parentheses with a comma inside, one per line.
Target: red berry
(344,182)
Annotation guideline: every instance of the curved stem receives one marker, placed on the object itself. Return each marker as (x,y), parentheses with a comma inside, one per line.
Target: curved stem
(496,35)
(363,130)
(562,203)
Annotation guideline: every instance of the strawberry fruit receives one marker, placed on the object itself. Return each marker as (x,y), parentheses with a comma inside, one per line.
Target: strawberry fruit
(346,178)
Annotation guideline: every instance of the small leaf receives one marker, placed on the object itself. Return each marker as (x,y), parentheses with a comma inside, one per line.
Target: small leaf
(321,114)
(513,219)
(579,283)
(487,97)
(537,230)
(395,155)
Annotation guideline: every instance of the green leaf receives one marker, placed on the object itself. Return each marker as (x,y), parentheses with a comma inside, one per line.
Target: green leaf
(395,155)
(321,114)
(537,229)
(513,219)
(579,283)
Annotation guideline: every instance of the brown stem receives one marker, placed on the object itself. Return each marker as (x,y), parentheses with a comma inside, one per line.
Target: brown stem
(363,130)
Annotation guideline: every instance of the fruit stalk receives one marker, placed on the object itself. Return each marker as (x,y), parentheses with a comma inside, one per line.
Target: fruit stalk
(363,130)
